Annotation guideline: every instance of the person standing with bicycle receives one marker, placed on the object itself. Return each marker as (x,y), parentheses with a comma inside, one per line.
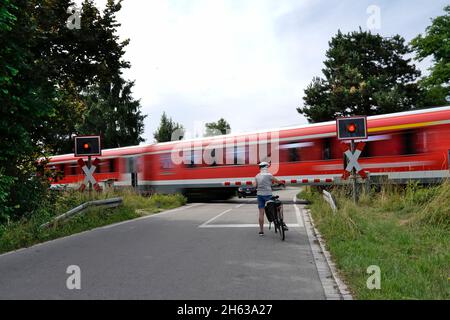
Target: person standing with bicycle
(264,180)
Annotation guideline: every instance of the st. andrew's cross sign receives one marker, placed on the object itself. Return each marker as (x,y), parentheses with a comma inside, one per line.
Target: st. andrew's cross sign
(353,160)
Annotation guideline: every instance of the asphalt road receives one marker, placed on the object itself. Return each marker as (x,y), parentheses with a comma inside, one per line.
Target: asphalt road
(200,251)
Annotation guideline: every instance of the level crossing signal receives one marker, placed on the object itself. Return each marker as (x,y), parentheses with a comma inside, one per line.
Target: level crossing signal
(351,128)
(88,146)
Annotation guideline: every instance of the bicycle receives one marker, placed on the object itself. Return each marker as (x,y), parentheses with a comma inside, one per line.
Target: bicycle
(274,213)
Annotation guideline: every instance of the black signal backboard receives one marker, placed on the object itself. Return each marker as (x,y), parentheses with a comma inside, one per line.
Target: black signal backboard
(87,146)
(351,128)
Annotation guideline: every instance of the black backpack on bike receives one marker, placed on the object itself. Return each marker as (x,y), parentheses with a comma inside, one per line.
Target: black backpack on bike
(271,208)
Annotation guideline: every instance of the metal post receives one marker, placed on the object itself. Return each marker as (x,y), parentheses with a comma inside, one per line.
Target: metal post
(354,175)
(89,168)
(368,183)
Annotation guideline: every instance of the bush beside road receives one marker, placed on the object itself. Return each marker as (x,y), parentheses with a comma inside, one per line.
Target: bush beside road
(405,231)
(27,231)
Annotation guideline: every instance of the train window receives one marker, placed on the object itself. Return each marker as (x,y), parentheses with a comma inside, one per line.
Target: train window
(409,142)
(63,169)
(290,152)
(101,167)
(299,151)
(189,159)
(422,141)
(331,149)
(293,155)
(166,161)
(106,166)
(366,152)
(213,155)
(239,155)
(130,164)
(310,151)
(382,145)
(71,169)
(327,149)
(112,166)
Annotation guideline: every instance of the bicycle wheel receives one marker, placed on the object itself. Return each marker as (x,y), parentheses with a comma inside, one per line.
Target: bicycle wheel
(280,223)
(275,221)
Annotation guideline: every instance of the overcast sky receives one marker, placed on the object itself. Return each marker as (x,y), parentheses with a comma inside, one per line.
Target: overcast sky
(247,61)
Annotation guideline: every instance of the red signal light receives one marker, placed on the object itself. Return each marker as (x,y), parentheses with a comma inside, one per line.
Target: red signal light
(351,128)
(86,146)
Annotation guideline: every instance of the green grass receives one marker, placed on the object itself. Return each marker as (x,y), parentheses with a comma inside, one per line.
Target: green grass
(27,231)
(404,231)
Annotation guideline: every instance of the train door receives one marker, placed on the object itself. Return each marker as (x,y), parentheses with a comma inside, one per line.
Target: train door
(132,170)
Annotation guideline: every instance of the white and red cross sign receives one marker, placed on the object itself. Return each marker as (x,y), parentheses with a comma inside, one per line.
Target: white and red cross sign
(353,160)
(89,172)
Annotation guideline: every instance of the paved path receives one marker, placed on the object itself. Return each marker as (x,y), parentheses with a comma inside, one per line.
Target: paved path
(200,251)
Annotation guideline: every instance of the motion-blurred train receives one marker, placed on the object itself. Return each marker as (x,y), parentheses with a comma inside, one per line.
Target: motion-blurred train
(400,147)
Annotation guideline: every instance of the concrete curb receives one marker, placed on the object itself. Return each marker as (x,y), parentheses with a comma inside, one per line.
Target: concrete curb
(333,285)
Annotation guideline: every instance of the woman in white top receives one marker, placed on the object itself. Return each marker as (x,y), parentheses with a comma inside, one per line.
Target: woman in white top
(264,180)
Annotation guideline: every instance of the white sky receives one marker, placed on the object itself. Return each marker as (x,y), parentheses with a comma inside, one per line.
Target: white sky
(248,61)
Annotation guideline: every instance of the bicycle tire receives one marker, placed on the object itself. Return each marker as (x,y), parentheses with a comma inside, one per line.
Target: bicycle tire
(280,224)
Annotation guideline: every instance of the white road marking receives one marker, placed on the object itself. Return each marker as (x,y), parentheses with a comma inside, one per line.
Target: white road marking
(297,212)
(152,215)
(248,225)
(214,218)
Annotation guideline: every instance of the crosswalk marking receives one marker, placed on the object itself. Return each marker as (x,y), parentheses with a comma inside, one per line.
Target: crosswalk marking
(209,224)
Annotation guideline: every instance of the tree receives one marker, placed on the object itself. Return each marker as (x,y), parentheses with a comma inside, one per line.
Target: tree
(87,65)
(166,128)
(364,74)
(26,103)
(217,128)
(114,115)
(50,78)
(435,43)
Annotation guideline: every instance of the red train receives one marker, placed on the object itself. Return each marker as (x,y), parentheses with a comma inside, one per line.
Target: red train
(400,147)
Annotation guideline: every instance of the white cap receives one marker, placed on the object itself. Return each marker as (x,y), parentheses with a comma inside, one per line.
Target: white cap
(263,164)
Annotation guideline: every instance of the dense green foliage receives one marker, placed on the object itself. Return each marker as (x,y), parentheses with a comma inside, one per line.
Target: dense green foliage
(27,231)
(57,82)
(217,128)
(404,231)
(166,129)
(364,74)
(436,44)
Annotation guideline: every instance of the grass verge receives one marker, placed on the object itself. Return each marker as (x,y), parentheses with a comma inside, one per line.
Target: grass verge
(27,231)
(403,230)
